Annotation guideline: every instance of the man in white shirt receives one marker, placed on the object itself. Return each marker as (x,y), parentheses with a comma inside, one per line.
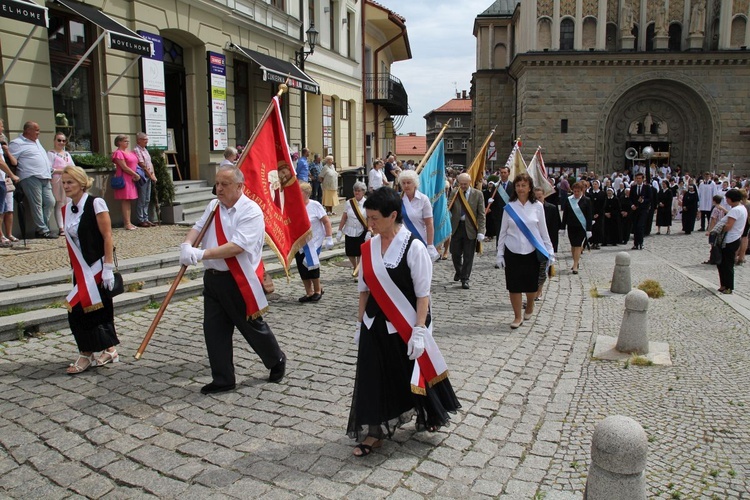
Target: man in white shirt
(235,260)
(144,190)
(36,177)
(706,191)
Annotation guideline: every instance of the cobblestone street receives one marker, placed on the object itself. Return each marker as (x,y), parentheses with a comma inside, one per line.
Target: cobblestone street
(531,397)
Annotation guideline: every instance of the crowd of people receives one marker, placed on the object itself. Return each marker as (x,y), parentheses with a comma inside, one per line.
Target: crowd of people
(29,172)
(388,232)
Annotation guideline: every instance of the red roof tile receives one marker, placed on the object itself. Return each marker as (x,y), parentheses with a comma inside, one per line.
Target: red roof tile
(408,145)
(460,105)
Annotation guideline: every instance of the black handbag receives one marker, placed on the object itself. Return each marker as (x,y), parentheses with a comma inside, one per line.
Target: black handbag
(715,255)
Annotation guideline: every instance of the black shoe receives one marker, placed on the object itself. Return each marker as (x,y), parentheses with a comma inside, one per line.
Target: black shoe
(306,298)
(465,285)
(457,276)
(215,389)
(634,247)
(316,297)
(277,372)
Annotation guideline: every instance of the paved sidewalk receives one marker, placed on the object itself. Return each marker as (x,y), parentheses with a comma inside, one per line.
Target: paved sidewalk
(531,397)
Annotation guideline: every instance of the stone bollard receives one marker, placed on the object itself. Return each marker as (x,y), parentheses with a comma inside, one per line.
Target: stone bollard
(633,337)
(621,274)
(618,461)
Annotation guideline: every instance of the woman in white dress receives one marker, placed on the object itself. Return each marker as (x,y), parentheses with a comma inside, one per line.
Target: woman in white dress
(353,225)
(417,211)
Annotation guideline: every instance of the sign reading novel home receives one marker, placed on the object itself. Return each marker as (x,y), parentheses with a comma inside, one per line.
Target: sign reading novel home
(154,95)
(23,11)
(217,69)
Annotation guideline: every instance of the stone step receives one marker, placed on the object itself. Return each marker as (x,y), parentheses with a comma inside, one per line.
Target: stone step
(186,186)
(147,281)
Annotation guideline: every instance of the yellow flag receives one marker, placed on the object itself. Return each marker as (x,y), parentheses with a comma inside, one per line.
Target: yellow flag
(476,169)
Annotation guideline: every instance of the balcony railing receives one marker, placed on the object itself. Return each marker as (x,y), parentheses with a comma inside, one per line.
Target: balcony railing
(388,92)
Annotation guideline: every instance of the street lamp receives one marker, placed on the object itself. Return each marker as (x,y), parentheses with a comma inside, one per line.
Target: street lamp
(312,40)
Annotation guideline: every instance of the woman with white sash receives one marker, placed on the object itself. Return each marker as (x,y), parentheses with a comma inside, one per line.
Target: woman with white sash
(88,234)
(523,243)
(353,225)
(417,211)
(308,260)
(400,371)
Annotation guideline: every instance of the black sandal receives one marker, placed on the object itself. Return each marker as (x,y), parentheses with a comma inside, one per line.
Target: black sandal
(366,449)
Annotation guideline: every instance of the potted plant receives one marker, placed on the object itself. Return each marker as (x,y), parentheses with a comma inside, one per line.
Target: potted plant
(169,211)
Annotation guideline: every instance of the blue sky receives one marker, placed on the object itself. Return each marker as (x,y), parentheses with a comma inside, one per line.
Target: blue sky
(443,53)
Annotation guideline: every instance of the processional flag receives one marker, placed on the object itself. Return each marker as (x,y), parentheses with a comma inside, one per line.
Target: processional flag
(515,161)
(432,184)
(271,182)
(476,170)
(538,173)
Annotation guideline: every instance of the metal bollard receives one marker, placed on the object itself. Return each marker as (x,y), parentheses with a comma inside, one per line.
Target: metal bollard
(621,274)
(618,461)
(633,337)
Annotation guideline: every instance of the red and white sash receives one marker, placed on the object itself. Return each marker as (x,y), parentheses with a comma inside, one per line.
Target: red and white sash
(430,367)
(85,291)
(249,280)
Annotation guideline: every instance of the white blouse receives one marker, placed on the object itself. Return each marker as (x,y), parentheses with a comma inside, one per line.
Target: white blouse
(73,220)
(352,226)
(511,236)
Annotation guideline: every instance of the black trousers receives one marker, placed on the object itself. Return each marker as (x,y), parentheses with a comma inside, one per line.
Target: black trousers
(640,217)
(224,309)
(705,216)
(726,268)
(462,252)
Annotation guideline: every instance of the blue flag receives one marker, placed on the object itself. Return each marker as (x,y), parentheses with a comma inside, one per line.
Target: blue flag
(432,184)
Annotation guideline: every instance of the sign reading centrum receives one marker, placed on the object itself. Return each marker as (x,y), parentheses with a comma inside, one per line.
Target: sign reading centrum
(24,11)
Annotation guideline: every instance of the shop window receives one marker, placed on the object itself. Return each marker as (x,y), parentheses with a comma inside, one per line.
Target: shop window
(75,102)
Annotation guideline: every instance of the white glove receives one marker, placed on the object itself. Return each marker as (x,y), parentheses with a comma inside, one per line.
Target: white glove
(368,235)
(415,347)
(433,253)
(490,200)
(189,255)
(328,243)
(357,332)
(108,276)
(480,237)
(339,235)
(500,261)
(552,258)
(588,235)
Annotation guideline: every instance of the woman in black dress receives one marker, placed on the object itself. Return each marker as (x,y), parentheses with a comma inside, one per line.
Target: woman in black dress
(88,234)
(625,217)
(578,230)
(664,207)
(494,211)
(612,221)
(689,208)
(597,197)
(403,373)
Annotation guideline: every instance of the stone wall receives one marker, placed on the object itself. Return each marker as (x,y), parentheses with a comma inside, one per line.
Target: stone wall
(708,116)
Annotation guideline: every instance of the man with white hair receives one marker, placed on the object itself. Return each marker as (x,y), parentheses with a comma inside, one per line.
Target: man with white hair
(469,224)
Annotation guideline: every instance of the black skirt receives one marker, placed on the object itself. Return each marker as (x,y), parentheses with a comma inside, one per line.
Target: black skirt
(382,389)
(304,272)
(352,245)
(576,236)
(94,331)
(521,272)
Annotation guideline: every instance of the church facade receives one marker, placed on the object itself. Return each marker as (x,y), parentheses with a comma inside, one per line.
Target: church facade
(588,80)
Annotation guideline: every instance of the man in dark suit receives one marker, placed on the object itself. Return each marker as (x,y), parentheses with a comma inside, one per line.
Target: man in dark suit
(551,217)
(506,185)
(469,224)
(640,206)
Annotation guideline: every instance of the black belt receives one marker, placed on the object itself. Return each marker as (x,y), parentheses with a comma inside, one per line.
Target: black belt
(216,271)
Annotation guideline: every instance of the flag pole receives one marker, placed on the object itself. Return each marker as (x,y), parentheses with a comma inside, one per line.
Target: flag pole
(427,155)
(482,150)
(175,283)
